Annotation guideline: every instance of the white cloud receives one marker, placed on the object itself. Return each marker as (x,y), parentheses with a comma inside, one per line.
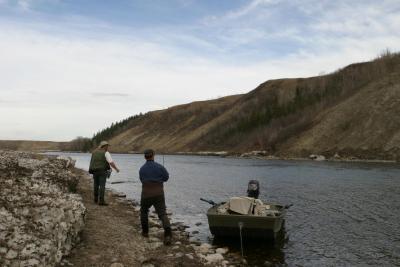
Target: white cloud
(248,9)
(76,77)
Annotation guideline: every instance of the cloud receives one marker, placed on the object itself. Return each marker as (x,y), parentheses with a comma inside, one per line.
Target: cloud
(77,75)
(244,11)
(275,29)
(248,9)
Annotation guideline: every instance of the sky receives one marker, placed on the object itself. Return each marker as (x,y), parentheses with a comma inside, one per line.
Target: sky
(69,68)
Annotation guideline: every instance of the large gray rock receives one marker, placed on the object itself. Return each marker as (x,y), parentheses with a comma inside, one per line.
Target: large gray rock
(40,218)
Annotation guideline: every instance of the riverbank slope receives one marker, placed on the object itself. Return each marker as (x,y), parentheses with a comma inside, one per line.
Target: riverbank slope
(353,112)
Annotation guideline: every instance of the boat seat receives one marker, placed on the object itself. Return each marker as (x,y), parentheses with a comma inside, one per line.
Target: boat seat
(241,205)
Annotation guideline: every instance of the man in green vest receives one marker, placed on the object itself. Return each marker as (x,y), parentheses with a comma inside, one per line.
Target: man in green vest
(100,166)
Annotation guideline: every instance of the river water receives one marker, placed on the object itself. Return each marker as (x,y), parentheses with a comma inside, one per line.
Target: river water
(344,214)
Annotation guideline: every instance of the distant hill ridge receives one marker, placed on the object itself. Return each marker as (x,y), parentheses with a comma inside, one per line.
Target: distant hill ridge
(24,145)
(354,111)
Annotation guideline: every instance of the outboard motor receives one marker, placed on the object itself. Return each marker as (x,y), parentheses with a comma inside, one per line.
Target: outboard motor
(253,189)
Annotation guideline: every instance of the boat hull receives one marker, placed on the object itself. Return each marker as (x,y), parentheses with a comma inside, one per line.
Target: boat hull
(253,227)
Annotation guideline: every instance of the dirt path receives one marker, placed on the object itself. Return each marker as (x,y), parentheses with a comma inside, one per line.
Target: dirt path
(112,237)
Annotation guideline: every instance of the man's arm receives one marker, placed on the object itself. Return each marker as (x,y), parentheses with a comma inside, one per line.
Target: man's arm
(112,164)
(110,161)
(141,174)
(91,164)
(164,173)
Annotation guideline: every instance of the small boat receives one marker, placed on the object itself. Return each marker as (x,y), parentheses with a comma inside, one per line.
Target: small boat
(247,217)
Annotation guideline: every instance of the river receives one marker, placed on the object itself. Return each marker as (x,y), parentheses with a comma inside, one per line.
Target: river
(343,214)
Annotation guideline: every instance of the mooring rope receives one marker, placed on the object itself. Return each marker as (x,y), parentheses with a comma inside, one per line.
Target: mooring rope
(241,239)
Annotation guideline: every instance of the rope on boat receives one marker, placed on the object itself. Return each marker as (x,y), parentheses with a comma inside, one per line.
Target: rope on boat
(241,239)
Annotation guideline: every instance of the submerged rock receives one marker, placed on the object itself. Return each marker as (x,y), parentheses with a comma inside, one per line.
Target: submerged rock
(40,216)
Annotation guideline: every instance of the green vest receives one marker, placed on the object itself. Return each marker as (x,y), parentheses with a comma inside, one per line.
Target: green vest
(98,161)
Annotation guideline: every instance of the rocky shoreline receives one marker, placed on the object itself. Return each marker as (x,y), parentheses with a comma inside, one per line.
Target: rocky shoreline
(48,218)
(40,215)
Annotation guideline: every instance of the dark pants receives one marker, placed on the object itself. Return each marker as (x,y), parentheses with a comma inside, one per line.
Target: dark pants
(99,183)
(159,204)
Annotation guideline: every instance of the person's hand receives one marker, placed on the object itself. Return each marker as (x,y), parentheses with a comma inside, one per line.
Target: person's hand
(117,170)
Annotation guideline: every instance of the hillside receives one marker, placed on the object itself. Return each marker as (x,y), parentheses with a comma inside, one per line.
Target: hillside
(21,145)
(354,111)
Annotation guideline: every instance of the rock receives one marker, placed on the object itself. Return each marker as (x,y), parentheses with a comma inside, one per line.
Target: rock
(195,232)
(95,257)
(155,245)
(38,191)
(147,265)
(221,250)
(204,248)
(268,264)
(178,243)
(11,254)
(154,239)
(30,263)
(179,255)
(69,162)
(317,157)
(198,223)
(116,264)
(189,256)
(214,258)
(254,153)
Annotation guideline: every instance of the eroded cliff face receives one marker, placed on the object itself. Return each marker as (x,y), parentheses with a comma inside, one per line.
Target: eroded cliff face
(40,216)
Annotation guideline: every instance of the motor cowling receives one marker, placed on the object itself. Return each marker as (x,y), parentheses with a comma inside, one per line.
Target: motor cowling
(253,189)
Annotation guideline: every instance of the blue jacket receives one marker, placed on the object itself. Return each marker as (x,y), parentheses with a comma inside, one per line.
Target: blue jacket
(153,172)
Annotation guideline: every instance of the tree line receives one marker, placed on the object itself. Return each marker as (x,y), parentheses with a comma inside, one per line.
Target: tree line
(85,144)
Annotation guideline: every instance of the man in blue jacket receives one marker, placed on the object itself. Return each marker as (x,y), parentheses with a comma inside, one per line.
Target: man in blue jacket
(153,175)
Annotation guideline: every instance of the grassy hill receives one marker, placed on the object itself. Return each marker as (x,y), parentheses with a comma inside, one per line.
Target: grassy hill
(354,111)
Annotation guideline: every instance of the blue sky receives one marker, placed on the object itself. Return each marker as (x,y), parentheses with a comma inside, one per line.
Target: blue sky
(69,68)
